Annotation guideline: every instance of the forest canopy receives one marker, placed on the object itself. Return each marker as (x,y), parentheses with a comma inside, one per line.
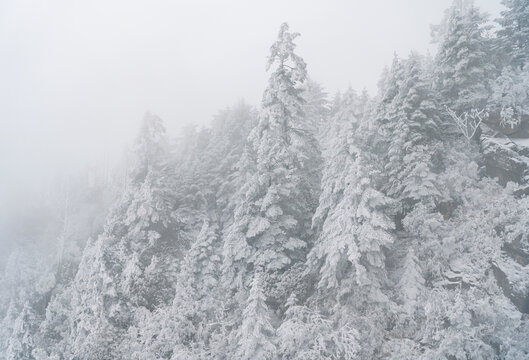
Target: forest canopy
(352,226)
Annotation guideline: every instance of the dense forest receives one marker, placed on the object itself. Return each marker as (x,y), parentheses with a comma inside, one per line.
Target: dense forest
(352,226)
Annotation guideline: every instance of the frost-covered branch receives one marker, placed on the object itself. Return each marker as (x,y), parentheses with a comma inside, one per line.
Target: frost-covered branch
(468,122)
(508,117)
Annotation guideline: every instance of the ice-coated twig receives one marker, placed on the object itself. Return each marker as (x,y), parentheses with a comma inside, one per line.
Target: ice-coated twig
(468,122)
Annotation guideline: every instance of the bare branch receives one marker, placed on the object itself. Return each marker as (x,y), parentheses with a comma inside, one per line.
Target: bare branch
(468,122)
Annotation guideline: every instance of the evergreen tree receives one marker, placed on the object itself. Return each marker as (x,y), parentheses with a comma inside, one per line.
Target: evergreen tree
(272,220)
(100,312)
(54,331)
(200,269)
(352,226)
(256,336)
(216,167)
(462,64)
(410,165)
(385,111)
(514,33)
(363,104)
(316,107)
(510,98)
(307,334)
(184,326)
(151,242)
(134,262)
(21,342)
(390,83)
(411,281)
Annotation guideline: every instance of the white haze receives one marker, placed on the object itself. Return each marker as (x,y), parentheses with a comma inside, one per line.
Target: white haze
(77,76)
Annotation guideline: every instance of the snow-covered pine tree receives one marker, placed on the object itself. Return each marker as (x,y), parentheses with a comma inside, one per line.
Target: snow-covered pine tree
(21,343)
(337,147)
(353,228)
(200,279)
(134,262)
(256,336)
(25,285)
(187,325)
(461,289)
(514,33)
(389,85)
(364,101)
(411,161)
(144,224)
(216,167)
(316,107)
(271,228)
(200,268)
(462,64)
(385,110)
(100,313)
(54,330)
(307,334)
(509,100)
(411,281)
(334,104)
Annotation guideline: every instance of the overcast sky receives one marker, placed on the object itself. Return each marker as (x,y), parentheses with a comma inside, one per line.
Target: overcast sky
(76,77)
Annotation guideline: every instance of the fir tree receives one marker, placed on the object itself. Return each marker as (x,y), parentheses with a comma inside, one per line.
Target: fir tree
(272,220)
(385,111)
(410,165)
(184,326)
(411,281)
(509,100)
(217,166)
(201,265)
(134,262)
(316,107)
(307,334)
(462,66)
(151,242)
(352,226)
(21,342)
(256,336)
(514,32)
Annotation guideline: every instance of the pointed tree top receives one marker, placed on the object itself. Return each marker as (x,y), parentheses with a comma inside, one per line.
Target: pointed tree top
(282,52)
(150,146)
(152,129)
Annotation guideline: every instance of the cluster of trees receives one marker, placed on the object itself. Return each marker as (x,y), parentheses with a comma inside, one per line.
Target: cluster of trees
(358,228)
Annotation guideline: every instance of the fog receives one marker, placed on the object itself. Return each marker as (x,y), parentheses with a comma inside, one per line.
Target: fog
(192,179)
(77,76)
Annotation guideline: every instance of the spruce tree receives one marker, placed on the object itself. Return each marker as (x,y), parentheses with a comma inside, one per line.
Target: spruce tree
(217,166)
(316,107)
(509,100)
(21,343)
(184,327)
(462,64)
(134,262)
(272,220)
(410,165)
(151,241)
(385,110)
(353,228)
(411,281)
(256,336)
(514,32)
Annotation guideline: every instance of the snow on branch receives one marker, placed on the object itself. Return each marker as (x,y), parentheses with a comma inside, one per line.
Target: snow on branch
(508,118)
(468,122)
